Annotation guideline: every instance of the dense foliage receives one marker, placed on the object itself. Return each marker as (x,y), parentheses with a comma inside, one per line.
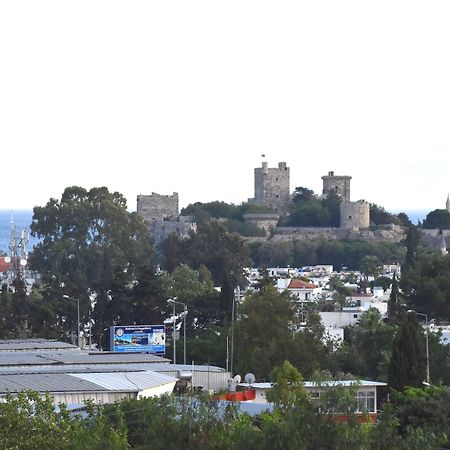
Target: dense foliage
(339,253)
(268,332)
(379,216)
(426,285)
(439,218)
(310,210)
(408,365)
(91,248)
(231,215)
(415,420)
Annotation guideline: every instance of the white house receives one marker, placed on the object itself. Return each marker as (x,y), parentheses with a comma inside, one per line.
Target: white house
(304,290)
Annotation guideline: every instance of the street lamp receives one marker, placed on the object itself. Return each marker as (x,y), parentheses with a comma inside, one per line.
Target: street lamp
(236,298)
(426,340)
(78,316)
(180,316)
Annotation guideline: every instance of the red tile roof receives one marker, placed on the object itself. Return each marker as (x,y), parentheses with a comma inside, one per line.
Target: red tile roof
(4,266)
(301,284)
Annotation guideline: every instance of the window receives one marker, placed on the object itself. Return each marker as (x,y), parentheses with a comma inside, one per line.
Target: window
(366,401)
(315,398)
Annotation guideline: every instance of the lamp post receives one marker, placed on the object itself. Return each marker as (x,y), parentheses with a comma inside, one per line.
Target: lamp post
(236,298)
(183,316)
(78,316)
(426,342)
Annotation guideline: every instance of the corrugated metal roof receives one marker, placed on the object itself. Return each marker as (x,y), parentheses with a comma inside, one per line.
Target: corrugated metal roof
(18,358)
(23,359)
(46,383)
(104,358)
(131,381)
(87,368)
(10,345)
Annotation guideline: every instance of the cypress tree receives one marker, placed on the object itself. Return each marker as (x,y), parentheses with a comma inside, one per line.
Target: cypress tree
(408,364)
(394,300)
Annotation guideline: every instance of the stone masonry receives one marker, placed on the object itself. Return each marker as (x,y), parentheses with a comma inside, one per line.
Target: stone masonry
(340,184)
(272,187)
(157,207)
(355,215)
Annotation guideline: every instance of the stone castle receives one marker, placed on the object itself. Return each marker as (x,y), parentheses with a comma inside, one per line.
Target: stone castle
(160,213)
(272,190)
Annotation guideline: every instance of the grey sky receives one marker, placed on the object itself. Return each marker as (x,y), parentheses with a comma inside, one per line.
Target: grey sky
(186,95)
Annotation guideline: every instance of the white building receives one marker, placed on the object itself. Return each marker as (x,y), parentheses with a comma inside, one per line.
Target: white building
(304,290)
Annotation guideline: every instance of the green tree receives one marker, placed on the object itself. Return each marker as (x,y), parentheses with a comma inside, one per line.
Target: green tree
(20,308)
(302,194)
(439,218)
(288,386)
(394,302)
(379,216)
(426,285)
(264,331)
(86,239)
(408,365)
(412,245)
(214,247)
(369,265)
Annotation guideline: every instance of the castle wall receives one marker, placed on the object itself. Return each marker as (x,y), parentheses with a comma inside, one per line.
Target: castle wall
(355,215)
(340,184)
(161,229)
(306,233)
(394,234)
(266,222)
(157,207)
(272,187)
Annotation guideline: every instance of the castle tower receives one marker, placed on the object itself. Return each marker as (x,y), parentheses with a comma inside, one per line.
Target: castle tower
(447,205)
(157,207)
(272,187)
(355,215)
(340,184)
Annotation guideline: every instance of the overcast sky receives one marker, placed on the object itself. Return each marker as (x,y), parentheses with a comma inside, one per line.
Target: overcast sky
(162,96)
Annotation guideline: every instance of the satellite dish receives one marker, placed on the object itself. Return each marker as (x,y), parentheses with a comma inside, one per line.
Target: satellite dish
(7,259)
(23,262)
(249,378)
(237,379)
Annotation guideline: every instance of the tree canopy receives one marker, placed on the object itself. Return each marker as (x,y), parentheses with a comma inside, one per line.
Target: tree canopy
(90,247)
(439,218)
(408,365)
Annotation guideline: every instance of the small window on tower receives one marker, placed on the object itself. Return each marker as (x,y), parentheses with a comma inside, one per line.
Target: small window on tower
(349,217)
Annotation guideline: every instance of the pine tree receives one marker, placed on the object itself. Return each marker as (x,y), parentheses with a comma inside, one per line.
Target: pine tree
(408,364)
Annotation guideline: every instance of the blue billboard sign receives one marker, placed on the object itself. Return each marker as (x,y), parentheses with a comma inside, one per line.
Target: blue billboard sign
(139,338)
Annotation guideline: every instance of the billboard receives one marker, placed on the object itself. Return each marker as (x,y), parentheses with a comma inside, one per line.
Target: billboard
(139,338)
